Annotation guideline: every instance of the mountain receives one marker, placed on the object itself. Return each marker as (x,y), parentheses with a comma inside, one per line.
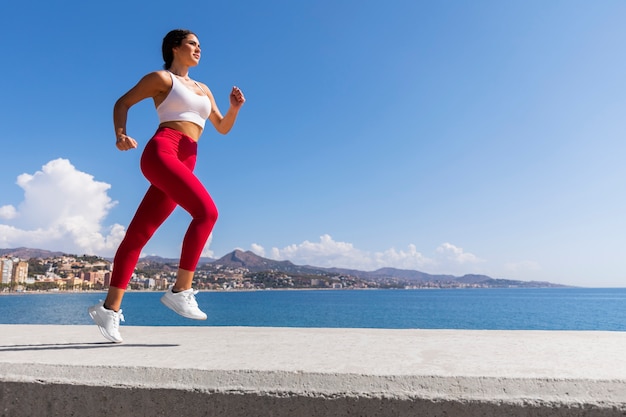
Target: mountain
(27,253)
(473,279)
(251,261)
(256,263)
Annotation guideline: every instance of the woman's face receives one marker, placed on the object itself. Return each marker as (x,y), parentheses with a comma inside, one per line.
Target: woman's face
(188,52)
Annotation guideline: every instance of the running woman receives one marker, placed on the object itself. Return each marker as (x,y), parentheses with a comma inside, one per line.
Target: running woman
(183,105)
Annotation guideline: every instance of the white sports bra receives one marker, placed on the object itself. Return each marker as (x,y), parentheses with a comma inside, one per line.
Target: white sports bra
(182,104)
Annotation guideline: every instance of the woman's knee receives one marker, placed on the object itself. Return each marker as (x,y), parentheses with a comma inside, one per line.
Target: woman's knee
(206,211)
(211,212)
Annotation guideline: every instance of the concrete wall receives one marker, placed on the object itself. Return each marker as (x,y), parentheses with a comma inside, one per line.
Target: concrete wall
(203,371)
(63,400)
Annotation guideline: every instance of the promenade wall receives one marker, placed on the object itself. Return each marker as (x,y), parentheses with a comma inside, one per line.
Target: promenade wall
(235,371)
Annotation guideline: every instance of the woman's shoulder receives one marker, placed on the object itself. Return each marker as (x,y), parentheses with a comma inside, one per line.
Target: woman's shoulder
(162,75)
(159,80)
(159,76)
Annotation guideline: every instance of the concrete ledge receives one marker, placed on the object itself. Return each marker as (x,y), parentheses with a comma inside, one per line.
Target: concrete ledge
(212,371)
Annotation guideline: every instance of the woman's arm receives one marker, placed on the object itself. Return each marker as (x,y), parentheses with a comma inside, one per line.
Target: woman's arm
(223,124)
(152,85)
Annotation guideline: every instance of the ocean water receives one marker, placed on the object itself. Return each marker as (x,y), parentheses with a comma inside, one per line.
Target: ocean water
(487,309)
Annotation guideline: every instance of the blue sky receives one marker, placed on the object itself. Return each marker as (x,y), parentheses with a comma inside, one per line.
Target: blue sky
(448,137)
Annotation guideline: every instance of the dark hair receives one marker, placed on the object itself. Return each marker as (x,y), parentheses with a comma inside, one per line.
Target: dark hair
(173,39)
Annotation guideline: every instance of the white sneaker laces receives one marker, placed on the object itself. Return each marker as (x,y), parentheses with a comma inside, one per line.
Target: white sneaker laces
(117,317)
(190,298)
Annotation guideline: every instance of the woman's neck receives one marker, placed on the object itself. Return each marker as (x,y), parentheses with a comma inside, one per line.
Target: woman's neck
(181,72)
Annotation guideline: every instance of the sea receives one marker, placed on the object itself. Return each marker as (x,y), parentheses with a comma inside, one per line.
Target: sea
(484,309)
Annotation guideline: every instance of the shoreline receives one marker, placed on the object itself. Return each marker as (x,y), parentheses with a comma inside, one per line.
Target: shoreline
(16,293)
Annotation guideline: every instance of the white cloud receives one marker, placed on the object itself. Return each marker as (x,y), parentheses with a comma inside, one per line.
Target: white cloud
(409,259)
(8,212)
(454,254)
(206,252)
(63,209)
(326,253)
(330,253)
(257,249)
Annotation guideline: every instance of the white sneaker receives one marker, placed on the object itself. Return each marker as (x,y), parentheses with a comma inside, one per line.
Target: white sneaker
(108,321)
(183,303)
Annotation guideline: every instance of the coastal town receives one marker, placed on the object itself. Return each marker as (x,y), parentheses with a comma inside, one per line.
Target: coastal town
(28,270)
(88,273)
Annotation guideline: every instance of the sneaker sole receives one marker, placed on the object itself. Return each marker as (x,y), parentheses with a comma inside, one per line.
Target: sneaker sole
(108,337)
(165,302)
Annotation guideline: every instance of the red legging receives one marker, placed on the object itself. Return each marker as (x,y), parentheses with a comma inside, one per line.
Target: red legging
(167,162)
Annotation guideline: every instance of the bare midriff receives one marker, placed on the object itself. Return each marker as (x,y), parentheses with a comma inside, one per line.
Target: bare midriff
(188,128)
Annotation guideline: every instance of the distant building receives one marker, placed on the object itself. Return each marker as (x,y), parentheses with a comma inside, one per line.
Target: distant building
(6,270)
(161,283)
(73,283)
(20,272)
(95,277)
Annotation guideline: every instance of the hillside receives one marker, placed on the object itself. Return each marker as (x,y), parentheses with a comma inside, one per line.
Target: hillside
(27,253)
(254,263)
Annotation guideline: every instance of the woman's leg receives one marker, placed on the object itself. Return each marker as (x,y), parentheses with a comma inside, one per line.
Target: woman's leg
(184,278)
(173,174)
(167,162)
(114,298)
(197,202)
(154,209)
(187,191)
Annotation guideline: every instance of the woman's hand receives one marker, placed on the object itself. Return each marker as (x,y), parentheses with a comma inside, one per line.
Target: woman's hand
(125,142)
(236,98)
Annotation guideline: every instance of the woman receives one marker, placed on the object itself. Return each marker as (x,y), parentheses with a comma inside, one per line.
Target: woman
(168,160)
